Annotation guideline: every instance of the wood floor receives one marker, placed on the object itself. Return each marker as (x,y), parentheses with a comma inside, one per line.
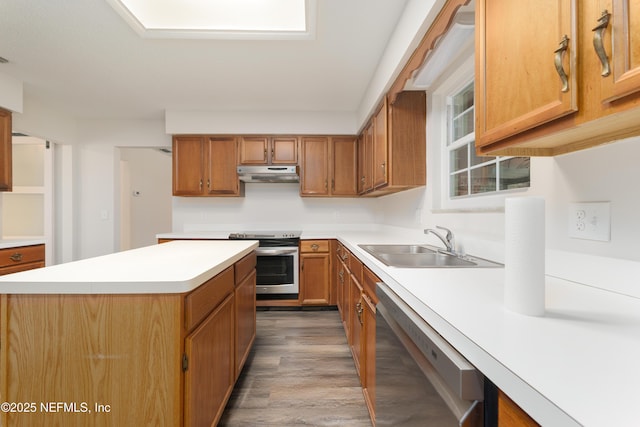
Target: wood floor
(300,373)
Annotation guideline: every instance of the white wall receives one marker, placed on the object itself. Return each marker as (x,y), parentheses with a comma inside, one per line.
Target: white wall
(147,196)
(605,173)
(269,206)
(98,178)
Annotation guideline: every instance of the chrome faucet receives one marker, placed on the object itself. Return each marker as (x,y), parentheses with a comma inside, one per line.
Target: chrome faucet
(448,240)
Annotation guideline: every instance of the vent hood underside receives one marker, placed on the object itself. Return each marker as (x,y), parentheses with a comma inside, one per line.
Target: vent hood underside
(286,174)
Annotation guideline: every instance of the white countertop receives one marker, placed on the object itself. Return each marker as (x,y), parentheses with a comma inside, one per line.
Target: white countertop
(577,365)
(174,267)
(18,243)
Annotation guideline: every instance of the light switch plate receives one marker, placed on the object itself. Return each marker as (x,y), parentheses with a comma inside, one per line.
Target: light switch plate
(590,221)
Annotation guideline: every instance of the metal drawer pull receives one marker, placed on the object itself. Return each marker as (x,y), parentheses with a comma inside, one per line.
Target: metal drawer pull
(598,44)
(564,45)
(315,247)
(17,257)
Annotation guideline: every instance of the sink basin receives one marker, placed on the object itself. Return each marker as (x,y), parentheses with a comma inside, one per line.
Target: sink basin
(398,249)
(433,259)
(424,256)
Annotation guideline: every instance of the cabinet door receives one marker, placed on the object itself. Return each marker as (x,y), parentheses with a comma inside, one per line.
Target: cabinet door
(188,170)
(6,175)
(380,147)
(210,374)
(517,85)
(284,150)
(357,323)
(314,278)
(365,160)
(222,176)
(245,300)
(621,44)
(314,179)
(369,354)
(254,150)
(344,174)
(340,279)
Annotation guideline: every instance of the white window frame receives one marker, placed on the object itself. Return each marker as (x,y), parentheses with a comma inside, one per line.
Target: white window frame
(457,78)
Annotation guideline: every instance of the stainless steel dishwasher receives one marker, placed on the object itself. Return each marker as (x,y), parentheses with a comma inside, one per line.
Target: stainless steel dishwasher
(421,380)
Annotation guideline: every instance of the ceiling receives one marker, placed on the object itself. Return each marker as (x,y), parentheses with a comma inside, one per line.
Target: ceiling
(82,58)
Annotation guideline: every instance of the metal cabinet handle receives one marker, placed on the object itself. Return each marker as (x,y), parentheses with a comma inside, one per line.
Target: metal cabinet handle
(344,257)
(17,257)
(201,184)
(598,43)
(359,310)
(315,247)
(560,51)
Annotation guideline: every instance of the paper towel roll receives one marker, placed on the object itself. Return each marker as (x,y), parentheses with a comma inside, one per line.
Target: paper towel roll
(524,255)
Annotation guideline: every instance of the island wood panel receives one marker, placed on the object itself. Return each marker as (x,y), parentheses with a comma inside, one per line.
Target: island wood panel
(115,350)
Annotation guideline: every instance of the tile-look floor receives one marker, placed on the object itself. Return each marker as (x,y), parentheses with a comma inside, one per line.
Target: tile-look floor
(300,373)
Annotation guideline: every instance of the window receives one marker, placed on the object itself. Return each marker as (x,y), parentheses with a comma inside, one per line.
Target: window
(469,174)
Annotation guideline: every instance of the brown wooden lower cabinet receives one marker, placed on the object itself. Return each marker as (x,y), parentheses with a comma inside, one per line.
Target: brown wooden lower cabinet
(511,415)
(245,309)
(315,271)
(357,305)
(13,260)
(119,359)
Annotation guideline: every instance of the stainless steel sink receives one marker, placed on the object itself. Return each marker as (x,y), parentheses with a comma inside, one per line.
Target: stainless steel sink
(397,249)
(424,256)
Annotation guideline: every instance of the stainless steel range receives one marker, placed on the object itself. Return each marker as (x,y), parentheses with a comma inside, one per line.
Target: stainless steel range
(278,262)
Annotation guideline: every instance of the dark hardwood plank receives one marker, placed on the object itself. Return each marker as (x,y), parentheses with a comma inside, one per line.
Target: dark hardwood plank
(300,373)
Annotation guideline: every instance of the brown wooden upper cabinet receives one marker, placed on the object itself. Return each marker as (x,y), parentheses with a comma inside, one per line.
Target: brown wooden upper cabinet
(392,152)
(577,85)
(6,175)
(365,159)
(264,150)
(328,166)
(205,166)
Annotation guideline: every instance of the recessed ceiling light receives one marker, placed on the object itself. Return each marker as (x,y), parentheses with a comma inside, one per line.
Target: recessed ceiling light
(226,19)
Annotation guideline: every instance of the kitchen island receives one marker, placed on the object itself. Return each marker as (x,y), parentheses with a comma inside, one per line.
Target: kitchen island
(152,336)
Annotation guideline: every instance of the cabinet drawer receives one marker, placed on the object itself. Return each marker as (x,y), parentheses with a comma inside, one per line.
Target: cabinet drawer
(199,303)
(355,265)
(345,255)
(369,284)
(21,267)
(21,255)
(244,267)
(314,246)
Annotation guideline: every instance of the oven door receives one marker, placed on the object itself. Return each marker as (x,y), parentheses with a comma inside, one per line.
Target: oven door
(277,270)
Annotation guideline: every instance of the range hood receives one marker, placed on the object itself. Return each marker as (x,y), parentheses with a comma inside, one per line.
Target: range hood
(273,173)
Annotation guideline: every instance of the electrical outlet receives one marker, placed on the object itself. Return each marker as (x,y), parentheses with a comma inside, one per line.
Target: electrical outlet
(590,221)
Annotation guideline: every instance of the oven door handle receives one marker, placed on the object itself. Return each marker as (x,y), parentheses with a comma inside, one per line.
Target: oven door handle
(265,251)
